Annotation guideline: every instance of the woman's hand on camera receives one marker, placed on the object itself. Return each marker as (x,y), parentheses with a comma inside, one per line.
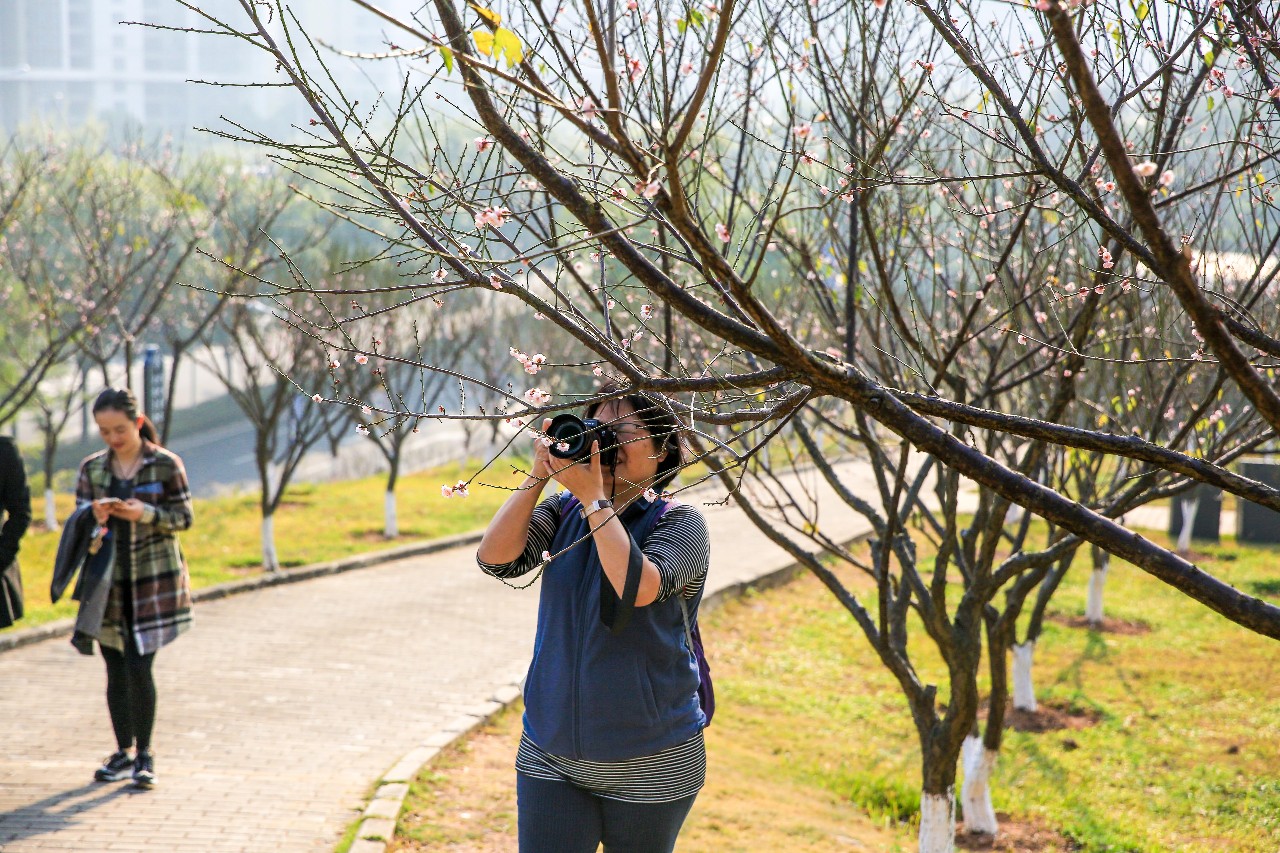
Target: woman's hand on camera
(583,478)
(542,468)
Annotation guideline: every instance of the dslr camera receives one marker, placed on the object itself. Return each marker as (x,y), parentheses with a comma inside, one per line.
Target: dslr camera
(571,438)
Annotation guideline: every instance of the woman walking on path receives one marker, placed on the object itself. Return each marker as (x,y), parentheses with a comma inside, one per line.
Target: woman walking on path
(139,492)
(612,749)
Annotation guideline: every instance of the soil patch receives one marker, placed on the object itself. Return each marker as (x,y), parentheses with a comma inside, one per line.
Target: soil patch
(1123,627)
(1048,717)
(1015,836)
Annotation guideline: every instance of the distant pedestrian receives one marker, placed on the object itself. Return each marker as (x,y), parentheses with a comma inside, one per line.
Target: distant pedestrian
(612,749)
(15,510)
(138,491)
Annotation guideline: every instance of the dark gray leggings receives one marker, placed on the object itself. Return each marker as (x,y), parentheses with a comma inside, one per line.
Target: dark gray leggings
(131,695)
(557,817)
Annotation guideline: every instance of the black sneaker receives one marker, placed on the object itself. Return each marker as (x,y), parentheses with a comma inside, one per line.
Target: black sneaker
(114,768)
(144,772)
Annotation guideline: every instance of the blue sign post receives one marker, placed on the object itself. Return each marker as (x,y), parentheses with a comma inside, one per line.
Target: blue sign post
(153,385)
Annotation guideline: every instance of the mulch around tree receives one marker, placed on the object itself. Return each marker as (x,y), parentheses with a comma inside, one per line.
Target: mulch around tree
(1121,627)
(1050,716)
(1015,836)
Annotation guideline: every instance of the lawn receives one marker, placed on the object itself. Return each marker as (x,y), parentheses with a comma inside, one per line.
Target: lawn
(316,523)
(813,750)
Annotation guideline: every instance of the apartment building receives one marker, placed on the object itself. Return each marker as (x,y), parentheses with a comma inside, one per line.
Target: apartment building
(67,61)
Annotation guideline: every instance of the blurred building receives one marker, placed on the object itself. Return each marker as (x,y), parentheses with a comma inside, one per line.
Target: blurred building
(68,61)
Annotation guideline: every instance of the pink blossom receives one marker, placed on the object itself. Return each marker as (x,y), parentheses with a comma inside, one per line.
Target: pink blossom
(334,364)
(537,397)
(1167,178)
(927,66)
(648,190)
(722,231)
(446,491)
(597,371)
(802,131)
(879,4)
(1042,5)
(1274,93)
(362,429)
(686,69)
(1145,169)
(439,275)
(460,489)
(316,398)
(495,216)
(1227,91)
(588,108)
(366,411)
(482,143)
(646,311)
(1109,186)
(635,70)
(495,281)
(362,359)
(546,555)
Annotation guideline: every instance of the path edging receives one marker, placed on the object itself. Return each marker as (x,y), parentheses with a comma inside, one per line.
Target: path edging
(380,815)
(63,627)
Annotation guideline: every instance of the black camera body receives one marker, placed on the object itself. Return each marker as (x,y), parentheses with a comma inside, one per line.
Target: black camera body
(576,435)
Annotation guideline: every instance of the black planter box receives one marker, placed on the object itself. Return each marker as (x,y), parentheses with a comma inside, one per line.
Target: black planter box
(1255,523)
(1208,523)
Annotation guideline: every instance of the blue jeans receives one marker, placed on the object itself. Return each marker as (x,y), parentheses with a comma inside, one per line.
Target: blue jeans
(557,817)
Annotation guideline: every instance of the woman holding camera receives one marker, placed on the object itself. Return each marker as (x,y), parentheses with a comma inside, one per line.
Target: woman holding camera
(612,749)
(139,492)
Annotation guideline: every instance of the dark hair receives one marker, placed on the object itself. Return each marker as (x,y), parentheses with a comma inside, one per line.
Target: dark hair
(122,400)
(660,422)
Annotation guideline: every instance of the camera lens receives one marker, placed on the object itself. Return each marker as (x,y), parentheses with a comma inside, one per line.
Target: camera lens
(568,434)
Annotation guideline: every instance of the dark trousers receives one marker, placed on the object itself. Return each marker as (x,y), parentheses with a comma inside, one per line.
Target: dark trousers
(557,817)
(131,695)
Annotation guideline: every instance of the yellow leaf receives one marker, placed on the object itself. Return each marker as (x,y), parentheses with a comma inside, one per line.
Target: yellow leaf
(508,43)
(447,55)
(484,42)
(488,14)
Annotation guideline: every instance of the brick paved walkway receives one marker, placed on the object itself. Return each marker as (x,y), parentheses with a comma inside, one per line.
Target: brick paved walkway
(282,707)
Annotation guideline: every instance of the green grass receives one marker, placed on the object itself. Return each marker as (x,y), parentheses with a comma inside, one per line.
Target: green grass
(813,745)
(316,523)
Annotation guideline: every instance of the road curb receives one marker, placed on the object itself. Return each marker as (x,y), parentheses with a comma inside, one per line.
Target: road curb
(382,812)
(64,627)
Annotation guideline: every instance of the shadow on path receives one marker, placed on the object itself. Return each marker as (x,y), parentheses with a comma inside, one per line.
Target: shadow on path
(60,811)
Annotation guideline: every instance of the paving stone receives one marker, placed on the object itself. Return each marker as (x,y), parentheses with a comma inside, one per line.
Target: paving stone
(394,791)
(377,828)
(382,808)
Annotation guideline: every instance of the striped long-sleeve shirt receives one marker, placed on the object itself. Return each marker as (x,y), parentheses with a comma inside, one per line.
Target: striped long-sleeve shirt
(679,549)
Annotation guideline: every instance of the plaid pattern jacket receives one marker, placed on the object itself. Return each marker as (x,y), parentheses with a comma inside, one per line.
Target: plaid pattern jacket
(159,584)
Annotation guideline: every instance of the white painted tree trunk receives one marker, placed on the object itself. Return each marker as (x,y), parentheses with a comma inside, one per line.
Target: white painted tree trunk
(1024,691)
(1189,507)
(270,561)
(975,793)
(1097,582)
(938,822)
(50,511)
(391,526)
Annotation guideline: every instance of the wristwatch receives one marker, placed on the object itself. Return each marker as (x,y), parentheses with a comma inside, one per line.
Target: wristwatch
(594,506)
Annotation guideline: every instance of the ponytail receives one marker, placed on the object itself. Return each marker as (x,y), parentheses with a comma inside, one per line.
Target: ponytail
(122,400)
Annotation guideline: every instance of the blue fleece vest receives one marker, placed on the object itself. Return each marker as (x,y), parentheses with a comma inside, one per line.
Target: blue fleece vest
(598,696)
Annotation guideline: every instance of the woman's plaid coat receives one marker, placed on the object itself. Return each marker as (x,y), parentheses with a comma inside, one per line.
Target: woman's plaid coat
(159,584)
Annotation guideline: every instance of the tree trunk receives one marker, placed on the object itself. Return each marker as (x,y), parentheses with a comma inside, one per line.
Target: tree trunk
(50,510)
(391,527)
(1189,507)
(1024,691)
(975,793)
(270,561)
(938,822)
(1097,581)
